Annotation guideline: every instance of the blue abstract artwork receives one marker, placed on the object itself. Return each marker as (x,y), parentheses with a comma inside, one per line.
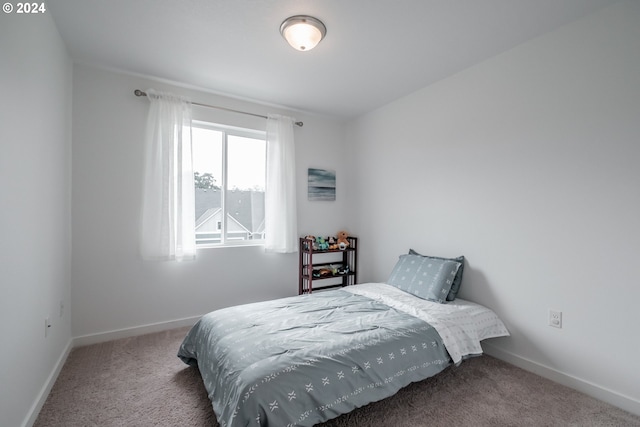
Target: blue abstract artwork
(322,184)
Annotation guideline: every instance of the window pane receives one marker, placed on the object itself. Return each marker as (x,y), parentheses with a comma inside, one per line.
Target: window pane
(246,162)
(207,166)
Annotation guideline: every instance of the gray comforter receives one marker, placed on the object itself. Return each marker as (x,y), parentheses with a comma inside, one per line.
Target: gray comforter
(303,360)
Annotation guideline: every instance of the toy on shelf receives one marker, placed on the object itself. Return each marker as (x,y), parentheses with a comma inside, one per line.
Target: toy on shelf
(343,243)
(322,272)
(329,243)
(309,243)
(322,244)
(343,270)
(330,271)
(333,244)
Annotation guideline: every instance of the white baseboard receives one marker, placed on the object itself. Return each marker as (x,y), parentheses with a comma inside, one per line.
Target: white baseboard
(34,411)
(622,401)
(132,332)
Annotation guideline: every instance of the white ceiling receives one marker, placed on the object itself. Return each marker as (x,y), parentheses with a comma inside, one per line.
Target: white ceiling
(375,51)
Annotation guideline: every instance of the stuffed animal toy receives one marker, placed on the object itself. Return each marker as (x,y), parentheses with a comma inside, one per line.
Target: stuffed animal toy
(333,245)
(310,243)
(343,243)
(322,243)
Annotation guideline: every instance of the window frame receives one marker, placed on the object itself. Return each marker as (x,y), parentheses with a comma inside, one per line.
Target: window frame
(227,130)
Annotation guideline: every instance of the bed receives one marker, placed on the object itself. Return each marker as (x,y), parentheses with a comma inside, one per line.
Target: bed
(303,360)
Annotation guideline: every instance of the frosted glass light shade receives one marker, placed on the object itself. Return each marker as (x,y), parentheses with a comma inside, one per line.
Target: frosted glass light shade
(303,32)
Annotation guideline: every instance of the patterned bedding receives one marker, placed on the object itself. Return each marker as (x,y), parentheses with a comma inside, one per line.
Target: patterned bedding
(303,360)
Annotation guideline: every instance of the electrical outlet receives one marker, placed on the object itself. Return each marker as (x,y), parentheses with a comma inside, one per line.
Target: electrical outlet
(47,326)
(555,318)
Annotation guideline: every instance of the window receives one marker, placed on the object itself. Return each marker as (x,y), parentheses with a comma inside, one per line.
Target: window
(229,174)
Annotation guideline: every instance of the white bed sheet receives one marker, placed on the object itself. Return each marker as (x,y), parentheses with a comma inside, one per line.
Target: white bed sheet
(461,324)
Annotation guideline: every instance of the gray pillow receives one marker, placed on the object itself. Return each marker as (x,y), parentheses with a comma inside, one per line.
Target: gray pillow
(425,277)
(455,288)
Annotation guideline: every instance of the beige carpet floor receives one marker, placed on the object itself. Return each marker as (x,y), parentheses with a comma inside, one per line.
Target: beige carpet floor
(140,382)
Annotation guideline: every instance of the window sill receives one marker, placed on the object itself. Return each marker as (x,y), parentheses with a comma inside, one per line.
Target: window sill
(230,245)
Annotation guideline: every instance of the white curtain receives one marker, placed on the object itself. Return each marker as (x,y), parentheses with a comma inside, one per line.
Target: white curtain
(281,226)
(168,207)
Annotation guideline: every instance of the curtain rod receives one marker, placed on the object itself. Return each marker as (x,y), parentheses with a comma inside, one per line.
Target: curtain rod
(138,92)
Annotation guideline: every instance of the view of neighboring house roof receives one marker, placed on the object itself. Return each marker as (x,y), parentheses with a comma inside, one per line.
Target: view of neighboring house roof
(208,223)
(206,216)
(244,206)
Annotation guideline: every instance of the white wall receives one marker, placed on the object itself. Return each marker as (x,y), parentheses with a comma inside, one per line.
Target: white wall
(528,164)
(112,288)
(35,208)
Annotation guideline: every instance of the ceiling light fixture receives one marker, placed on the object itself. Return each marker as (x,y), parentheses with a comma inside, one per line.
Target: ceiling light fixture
(303,32)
